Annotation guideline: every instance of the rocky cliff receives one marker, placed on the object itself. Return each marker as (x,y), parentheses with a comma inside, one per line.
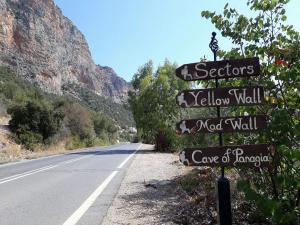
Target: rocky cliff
(45,47)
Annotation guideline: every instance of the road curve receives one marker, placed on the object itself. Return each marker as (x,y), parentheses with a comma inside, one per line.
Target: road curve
(68,189)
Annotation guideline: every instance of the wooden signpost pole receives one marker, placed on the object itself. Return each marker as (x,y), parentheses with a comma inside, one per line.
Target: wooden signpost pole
(224,202)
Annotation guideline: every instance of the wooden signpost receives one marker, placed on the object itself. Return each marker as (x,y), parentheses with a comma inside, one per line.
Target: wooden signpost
(223,124)
(256,156)
(219,69)
(230,156)
(223,97)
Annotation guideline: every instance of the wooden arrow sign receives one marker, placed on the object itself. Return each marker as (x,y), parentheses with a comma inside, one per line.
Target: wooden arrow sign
(219,69)
(233,156)
(229,96)
(224,124)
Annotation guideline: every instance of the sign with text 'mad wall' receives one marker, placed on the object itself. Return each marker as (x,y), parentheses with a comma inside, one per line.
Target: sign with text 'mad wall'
(255,156)
(223,124)
(219,69)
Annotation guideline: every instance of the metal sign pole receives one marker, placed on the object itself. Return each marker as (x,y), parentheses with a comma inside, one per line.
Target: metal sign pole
(224,202)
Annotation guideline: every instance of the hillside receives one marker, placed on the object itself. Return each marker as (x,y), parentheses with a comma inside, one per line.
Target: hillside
(119,113)
(47,49)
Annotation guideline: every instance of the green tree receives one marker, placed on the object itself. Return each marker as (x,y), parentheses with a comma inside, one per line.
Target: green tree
(153,103)
(276,190)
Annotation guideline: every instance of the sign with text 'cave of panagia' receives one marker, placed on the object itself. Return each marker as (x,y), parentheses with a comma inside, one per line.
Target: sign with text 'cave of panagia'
(230,156)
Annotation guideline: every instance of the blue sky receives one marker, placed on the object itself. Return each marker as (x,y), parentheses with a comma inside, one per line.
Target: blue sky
(125,34)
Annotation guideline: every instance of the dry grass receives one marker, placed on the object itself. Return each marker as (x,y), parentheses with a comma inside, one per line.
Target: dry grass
(13,152)
(10,151)
(4,120)
(42,150)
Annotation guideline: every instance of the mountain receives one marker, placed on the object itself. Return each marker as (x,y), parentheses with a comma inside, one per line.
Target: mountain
(47,49)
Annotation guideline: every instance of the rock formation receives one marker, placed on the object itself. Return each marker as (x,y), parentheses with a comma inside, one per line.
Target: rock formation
(47,49)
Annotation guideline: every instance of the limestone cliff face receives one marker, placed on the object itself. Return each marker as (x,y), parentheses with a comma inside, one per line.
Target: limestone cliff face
(45,47)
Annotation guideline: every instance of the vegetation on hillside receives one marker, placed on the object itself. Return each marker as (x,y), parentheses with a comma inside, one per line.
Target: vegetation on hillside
(118,112)
(38,118)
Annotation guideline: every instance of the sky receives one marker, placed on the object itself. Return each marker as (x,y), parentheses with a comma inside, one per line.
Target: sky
(125,34)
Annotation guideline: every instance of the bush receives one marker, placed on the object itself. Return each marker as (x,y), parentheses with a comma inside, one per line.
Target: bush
(79,121)
(27,138)
(100,123)
(34,122)
(75,142)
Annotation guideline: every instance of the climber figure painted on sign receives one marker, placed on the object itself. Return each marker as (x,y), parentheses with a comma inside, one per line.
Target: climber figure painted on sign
(180,99)
(183,127)
(185,73)
(183,159)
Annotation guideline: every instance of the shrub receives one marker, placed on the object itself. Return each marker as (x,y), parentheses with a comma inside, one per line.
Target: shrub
(79,121)
(74,142)
(33,122)
(27,138)
(100,123)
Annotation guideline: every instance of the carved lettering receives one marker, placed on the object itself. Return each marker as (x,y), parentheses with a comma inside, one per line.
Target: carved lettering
(219,69)
(223,124)
(222,97)
(243,155)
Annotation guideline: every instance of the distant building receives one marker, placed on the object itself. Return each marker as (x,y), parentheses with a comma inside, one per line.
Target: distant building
(132,130)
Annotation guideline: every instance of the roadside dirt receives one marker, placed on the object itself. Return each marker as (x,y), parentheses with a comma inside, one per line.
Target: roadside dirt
(9,151)
(147,195)
(158,190)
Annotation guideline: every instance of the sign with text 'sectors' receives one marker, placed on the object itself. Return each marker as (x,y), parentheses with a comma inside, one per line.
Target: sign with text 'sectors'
(219,69)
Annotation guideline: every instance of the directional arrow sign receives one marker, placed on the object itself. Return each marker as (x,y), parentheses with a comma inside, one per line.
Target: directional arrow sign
(219,69)
(229,96)
(242,155)
(224,124)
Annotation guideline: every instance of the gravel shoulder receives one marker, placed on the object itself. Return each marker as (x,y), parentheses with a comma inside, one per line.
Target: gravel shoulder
(148,193)
(158,190)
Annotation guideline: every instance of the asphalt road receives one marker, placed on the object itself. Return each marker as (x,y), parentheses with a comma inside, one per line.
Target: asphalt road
(67,189)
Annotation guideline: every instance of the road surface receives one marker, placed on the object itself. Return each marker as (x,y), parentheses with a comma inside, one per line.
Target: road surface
(66,189)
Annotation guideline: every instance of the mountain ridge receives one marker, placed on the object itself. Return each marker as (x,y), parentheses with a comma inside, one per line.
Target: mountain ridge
(46,48)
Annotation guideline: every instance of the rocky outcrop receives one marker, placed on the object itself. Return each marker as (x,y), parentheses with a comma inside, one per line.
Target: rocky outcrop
(45,47)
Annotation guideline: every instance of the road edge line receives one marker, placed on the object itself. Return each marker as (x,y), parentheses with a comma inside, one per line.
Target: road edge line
(76,216)
(129,157)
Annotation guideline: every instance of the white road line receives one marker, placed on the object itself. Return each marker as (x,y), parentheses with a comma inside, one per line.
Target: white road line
(75,217)
(17,175)
(74,160)
(85,150)
(129,157)
(27,160)
(27,174)
(31,172)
